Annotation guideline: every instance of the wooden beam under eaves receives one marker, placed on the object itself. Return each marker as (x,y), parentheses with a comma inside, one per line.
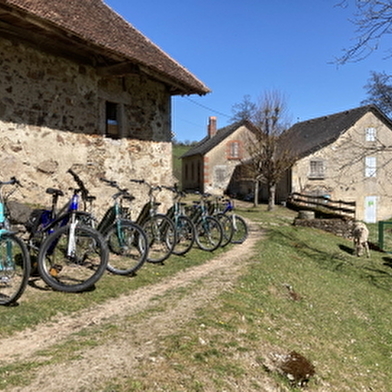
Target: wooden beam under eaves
(120,69)
(175,88)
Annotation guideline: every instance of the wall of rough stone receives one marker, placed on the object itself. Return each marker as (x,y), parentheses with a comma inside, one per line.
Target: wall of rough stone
(52,118)
(339,227)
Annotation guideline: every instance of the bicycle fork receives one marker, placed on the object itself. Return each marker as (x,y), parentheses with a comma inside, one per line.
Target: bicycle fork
(71,246)
(7,265)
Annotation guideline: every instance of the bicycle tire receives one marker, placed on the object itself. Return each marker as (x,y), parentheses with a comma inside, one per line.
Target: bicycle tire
(79,271)
(14,268)
(228,229)
(185,235)
(128,247)
(240,230)
(161,235)
(209,233)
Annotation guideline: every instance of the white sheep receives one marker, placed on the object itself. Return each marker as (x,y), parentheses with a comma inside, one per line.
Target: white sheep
(361,236)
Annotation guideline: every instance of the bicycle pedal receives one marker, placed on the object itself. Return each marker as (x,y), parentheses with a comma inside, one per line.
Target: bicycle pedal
(55,269)
(4,279)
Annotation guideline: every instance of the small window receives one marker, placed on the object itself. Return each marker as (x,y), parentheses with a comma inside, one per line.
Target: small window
(112,123)
(370,167)
(220,173)
(234,151)
(317,170)
(371,134)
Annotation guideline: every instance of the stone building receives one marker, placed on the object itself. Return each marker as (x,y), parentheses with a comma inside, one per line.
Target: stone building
(345,156)
(210,164)
(81,88)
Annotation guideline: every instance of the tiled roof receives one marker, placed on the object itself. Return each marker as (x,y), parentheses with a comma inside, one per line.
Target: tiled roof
(96,24)
(307,137)
(208,143)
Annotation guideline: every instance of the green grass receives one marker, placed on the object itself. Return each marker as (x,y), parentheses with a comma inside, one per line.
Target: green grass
(41,304)
(341,321)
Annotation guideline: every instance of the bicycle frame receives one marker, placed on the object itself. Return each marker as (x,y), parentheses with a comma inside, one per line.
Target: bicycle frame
(200,210)
(151,207)
(116,213)
(7,264)
(50,220)
(229,207)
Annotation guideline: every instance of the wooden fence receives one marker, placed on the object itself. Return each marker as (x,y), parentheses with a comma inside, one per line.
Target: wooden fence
(322,205)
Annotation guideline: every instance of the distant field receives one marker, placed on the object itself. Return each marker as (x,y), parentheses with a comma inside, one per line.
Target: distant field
(178,150)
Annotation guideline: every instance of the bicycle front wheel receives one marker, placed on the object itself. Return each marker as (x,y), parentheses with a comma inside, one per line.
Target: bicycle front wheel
(240,230)
(14,268)
(73,258)
(128,247)
(185,231)
(209,233)
(161,235)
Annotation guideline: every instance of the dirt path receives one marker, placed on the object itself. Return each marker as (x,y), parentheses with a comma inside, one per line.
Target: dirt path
(178,297)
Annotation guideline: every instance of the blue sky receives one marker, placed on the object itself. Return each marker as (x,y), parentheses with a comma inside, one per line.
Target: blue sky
(248,47)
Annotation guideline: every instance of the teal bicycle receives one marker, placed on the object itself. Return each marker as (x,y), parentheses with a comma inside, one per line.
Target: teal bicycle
(14,256)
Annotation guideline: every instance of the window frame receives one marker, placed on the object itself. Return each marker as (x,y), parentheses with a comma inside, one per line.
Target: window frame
(370,134)
(317,169)
(234,150)
(371,167)
(112,120)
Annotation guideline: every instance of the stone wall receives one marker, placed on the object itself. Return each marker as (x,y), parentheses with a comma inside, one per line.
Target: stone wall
(52,118)
(339,227)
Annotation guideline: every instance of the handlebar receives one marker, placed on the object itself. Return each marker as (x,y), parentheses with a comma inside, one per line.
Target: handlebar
(12,181)
(152,187)
(138,181)
(83,190)
(123,191)
(111,183)
(175,190)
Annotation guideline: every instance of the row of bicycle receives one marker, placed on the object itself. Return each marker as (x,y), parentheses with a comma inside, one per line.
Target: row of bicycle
(71,249)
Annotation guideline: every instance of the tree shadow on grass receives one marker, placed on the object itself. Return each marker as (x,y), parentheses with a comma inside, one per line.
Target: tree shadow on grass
(342,260)
(387,261)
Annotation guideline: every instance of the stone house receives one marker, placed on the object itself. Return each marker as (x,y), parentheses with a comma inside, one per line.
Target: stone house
(209,165)
(81,88)
(345,156)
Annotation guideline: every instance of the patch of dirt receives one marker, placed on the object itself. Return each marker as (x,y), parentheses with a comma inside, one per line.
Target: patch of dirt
(118,357)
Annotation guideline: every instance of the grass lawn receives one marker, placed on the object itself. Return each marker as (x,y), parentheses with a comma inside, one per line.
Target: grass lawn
(304,291)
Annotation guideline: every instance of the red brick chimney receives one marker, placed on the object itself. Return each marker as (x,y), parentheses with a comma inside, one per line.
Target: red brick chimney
(211,126)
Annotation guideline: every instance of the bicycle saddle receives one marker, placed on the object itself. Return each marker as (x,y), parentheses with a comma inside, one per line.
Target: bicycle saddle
(53,191)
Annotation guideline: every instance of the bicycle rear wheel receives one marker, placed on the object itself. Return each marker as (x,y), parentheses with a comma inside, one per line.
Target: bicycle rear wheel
(240,230)
(227,227)
(185,231)
(14,268)
(128,247)
(73,258)
(161,235)
(209,233)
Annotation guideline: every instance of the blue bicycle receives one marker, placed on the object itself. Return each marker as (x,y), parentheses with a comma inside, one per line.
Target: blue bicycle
(240,228)
(14,256)
(72,257)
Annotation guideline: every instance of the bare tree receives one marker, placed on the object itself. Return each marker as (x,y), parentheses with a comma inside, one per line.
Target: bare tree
(244,110)
(379,91)
(269,159)
(373,20)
